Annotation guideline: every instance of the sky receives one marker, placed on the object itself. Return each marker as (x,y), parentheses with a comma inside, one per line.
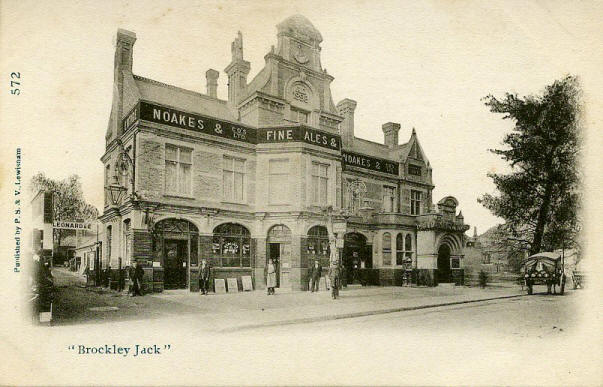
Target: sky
(423,64)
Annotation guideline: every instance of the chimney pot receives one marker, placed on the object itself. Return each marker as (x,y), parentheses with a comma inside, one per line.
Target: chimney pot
(211,76)
(346,108)
(390,133)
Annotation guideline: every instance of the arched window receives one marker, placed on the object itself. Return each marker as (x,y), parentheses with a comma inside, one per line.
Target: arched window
(399,250)
(109,238)
(409,251)
(127,238)
(386,249)
(318,244)
(231,246)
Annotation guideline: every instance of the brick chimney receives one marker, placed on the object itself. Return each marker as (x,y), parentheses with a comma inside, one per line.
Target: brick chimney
(211,76)
(390,133)
(122,68)
(346,108)
(237,72)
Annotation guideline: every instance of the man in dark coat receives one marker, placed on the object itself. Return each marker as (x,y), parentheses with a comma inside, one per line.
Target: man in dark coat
(315,272)
(137,274)
(204,272)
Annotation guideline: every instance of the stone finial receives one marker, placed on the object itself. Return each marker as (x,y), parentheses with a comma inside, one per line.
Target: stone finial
(211,76)
(390,133)
(236,47)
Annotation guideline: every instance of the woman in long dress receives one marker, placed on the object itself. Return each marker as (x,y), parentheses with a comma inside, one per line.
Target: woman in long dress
(270,276)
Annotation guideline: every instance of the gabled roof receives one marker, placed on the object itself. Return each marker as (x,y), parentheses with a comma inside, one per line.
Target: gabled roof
(192,101)
(413,149)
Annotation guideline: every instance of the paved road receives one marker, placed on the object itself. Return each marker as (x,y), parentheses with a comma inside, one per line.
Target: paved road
(538,316)
(527,340)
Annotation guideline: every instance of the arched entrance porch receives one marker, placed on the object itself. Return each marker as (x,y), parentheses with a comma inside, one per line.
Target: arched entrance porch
(444,274)
(176,245)
(357,255)
(278,248)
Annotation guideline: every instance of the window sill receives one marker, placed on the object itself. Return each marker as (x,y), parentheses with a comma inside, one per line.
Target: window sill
(178,196)
(232,268)
(234,202)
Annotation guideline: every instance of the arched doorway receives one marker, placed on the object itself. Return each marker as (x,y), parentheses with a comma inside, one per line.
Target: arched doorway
(176,245)
(356,255)
(444,272)
(278,248)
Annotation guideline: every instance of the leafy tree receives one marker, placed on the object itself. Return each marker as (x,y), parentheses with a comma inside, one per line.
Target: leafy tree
(540,198)
(68,201)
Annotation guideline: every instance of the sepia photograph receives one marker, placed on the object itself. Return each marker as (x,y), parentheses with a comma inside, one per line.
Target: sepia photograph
(301,192)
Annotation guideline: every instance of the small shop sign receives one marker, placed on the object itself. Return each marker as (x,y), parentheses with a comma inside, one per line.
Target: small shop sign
(72,225)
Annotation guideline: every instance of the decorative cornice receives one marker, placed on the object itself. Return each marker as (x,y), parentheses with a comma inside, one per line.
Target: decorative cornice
(442,225)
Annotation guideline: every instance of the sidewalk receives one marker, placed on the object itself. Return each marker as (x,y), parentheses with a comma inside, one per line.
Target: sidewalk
(240,311)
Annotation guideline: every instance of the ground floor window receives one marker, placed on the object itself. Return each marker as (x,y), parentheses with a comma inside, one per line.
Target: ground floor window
(386,249)
(231,246)
(318,245)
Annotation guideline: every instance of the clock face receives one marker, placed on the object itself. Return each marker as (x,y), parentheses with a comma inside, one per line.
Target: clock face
(299,55)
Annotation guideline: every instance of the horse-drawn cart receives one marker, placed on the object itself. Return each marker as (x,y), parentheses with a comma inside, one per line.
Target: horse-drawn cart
(544,269)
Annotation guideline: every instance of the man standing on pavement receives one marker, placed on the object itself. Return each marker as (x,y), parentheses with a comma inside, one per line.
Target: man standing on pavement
(315,272)
(204,271)
(138,273)
(334,276)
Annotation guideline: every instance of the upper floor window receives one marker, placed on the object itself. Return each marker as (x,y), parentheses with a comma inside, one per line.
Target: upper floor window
(320,183)
(178,166)
(389,199)
(415,202)
(298,115)
(278,173)
(233,176)
(414,170)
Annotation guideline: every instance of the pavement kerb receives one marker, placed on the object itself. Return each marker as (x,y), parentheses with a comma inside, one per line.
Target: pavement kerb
(306,320)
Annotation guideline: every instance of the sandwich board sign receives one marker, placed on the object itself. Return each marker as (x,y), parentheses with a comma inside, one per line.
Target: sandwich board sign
(233,286)
(247,284)
(220,285)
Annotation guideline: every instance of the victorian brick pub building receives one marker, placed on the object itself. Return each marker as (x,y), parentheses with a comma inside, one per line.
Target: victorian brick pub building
(264,175)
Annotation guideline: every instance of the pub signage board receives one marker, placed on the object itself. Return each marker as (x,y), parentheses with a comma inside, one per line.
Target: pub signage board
(202,124)
(299,134)
(368,162)
(167,116)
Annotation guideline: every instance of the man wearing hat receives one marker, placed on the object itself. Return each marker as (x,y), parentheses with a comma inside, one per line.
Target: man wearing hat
(315,272)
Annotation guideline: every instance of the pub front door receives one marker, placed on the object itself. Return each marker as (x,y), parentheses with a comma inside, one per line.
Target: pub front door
(175,261)
(275,255)
(444,272)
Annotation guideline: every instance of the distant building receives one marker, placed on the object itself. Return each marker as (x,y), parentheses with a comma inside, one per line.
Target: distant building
(253,177)
(41,211)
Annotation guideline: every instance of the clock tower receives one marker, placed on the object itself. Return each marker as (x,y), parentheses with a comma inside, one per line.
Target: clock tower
(299,42)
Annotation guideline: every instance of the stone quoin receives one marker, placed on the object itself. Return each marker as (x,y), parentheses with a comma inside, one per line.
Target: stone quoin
(264,174)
